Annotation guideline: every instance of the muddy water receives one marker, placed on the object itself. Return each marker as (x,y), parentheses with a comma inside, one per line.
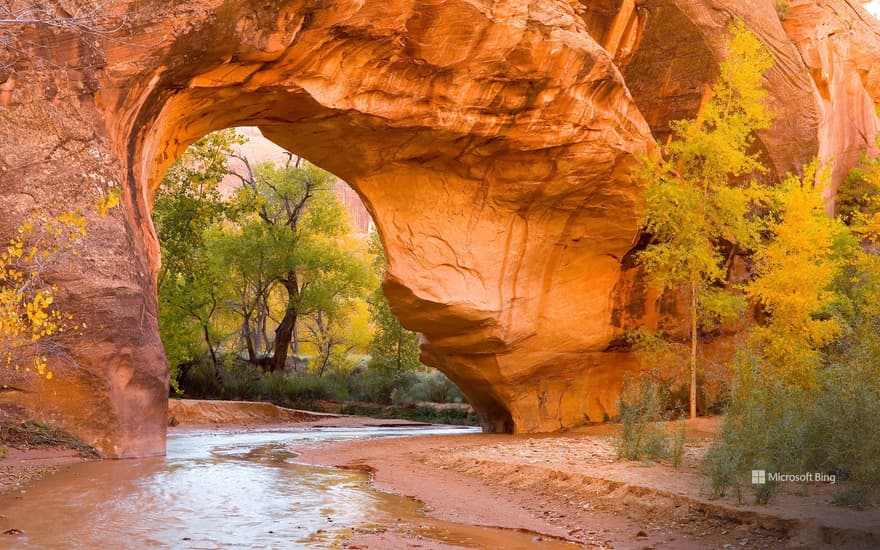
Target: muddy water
(235,489)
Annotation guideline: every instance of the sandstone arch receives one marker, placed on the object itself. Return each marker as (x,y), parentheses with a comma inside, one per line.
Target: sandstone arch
(491,141)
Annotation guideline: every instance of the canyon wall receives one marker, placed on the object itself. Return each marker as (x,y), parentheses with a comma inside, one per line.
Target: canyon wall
(491,141)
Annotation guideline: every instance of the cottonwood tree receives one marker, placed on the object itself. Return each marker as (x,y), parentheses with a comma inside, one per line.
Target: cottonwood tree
(189,202)
(697,197)
(299,229)
(794,277)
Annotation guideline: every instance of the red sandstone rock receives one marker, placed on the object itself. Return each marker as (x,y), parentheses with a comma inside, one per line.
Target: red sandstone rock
(491,141)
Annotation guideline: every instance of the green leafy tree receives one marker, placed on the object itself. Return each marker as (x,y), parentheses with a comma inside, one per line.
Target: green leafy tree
(189,202)
(299,227)
(394,349)
(698,200)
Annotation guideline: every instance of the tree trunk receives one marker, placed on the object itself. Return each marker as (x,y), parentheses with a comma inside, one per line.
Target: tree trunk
(295,345)
(210,345)
(693,350)
(284,332)
(283,336)
(248,341)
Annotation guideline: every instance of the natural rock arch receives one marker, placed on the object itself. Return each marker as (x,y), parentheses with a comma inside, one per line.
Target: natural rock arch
(492,142)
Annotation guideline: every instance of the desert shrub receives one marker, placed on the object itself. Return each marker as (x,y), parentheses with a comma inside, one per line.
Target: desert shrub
(765,428)
(432,387)
(641,411)
(418,413)
(239,379)
(376,384)
(845,434)
(676,443)
(200,379)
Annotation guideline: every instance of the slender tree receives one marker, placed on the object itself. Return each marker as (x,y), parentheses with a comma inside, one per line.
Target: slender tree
(697,198)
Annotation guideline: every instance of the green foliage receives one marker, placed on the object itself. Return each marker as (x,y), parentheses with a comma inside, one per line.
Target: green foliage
(698,201)
(807,386)
(393,348)
(259,272)
(431,387)
(764,428)
(858,199)
(420,413)
(187,203)
(238,379)
(298,229)
(642,412)
(676,443)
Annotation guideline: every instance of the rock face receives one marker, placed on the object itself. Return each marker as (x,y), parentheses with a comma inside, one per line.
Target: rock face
(491,141)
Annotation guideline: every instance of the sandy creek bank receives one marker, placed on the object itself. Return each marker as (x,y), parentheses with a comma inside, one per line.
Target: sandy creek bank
(563,487)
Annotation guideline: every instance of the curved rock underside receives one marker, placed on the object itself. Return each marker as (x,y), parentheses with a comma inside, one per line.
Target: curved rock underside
(491,140)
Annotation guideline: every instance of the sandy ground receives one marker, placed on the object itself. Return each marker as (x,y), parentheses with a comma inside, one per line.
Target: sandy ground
(22,466)
(550,488)
(573,487)
(206,414)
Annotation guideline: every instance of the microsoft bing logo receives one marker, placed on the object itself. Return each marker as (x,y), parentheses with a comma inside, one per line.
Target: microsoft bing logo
(759,477)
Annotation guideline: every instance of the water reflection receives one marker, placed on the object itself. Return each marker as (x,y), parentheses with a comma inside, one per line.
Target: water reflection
(234,489)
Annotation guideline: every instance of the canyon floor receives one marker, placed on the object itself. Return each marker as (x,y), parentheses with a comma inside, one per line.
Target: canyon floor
(561,487)
(573,487)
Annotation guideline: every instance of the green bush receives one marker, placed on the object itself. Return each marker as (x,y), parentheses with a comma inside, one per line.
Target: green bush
(831,428)
(641,412)
(420,413)
(376,383)
(765,428)
(434,387)
(201,380)
(676,443)
(845,433)
(239,380)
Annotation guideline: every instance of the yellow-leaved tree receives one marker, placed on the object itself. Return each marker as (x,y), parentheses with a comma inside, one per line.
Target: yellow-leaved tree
(698,200)
(33,328)
(794,280)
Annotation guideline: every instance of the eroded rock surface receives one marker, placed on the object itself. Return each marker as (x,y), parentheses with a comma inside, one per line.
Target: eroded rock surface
(491,141)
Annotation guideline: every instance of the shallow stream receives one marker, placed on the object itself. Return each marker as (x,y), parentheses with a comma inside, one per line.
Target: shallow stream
(228,489)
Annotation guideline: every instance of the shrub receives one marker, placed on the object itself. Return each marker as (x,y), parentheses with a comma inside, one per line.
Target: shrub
(845,435)
(676,443)
(776,427)
(201,380)
(239,379)
(641,411)
(765,429)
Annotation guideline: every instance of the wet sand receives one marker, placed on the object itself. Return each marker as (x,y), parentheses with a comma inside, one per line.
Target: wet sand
(562,486)
(23,466)
(572,486)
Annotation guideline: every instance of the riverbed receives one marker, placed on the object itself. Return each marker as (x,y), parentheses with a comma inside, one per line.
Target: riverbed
(232,489)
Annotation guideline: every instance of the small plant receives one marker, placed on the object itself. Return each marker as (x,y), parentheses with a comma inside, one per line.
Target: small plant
(641,410)
(782,9)
(676,443)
